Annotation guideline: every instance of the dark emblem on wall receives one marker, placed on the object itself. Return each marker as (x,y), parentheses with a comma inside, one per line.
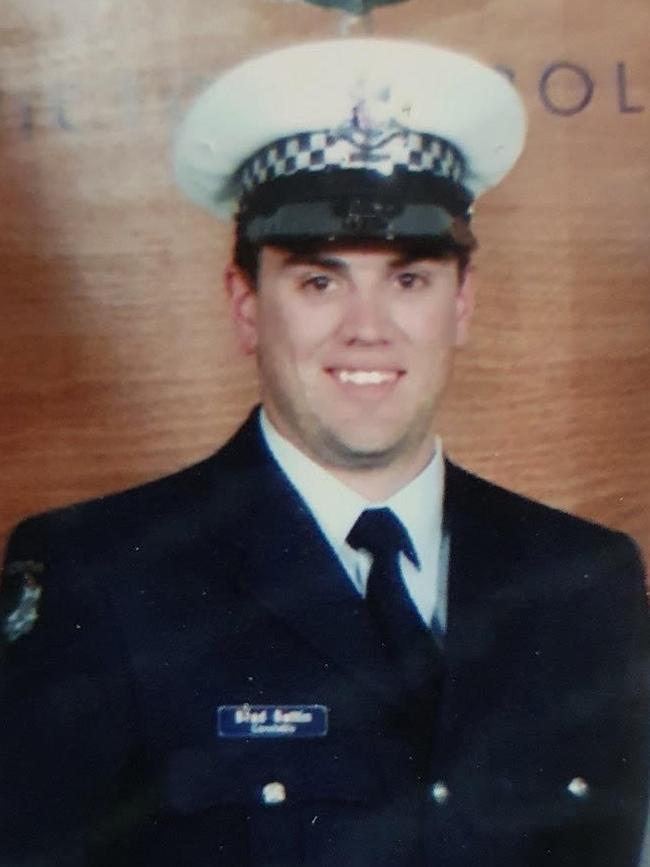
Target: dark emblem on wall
(355,7)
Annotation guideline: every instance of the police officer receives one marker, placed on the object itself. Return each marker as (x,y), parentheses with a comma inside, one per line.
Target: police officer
(326,644)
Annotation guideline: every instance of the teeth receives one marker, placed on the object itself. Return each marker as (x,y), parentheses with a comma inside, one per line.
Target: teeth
(366,377)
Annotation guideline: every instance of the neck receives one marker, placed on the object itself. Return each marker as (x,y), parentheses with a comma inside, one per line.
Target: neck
(375,478)
(378,484)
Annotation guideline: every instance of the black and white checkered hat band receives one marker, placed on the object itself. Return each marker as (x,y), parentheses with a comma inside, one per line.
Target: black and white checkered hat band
(316,151)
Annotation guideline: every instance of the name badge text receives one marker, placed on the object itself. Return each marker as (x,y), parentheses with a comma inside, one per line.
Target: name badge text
(272,721)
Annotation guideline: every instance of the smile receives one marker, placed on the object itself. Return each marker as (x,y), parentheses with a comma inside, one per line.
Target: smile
(366,377)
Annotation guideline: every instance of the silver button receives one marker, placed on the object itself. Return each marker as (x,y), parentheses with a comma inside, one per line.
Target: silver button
(440,792)
(274,793)
(578,787)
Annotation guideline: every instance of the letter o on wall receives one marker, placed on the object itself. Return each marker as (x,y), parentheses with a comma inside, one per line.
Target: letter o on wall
(585,80)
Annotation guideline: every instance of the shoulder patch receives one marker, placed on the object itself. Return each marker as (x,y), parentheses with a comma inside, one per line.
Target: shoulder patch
(19,598)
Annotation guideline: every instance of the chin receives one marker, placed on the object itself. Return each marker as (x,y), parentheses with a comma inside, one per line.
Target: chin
(361,452)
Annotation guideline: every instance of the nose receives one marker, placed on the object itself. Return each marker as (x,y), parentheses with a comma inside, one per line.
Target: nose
(366,319)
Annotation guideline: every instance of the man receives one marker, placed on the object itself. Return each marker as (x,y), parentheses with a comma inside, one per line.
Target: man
(326,645)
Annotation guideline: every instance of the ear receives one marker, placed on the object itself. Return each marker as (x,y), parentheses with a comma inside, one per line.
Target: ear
(464,305)
(242,299)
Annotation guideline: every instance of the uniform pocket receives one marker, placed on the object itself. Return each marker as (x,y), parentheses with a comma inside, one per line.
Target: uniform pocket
(284,794)
(269,773)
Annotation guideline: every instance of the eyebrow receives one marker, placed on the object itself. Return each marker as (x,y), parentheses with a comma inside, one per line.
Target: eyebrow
(317,259)
(410,259)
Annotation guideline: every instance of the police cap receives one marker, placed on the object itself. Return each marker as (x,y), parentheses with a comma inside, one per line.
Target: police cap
(351,139)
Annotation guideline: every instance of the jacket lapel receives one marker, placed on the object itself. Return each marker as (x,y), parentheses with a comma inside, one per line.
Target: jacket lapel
(476,556)
(484,600)
(287,565)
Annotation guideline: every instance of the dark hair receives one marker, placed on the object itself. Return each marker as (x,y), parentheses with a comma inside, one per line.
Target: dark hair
(246,255)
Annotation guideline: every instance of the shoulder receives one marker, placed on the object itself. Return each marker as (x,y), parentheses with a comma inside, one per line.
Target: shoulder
(108,539)
(536,531)
(502,505)
(93,548)
(101,518)
(75,548)
(158,506)
(568,573)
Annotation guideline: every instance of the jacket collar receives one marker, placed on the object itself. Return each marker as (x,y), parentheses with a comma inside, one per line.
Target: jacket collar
(286,564)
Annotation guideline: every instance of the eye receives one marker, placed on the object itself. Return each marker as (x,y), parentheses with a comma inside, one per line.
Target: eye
(411,280)
(317,282)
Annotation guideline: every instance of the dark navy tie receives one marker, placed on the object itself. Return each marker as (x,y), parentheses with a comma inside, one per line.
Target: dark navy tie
(409,644)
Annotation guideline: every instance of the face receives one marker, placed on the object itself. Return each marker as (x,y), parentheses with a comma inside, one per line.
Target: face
(354,347)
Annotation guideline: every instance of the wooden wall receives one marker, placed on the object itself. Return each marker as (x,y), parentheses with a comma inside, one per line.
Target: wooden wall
(116,358)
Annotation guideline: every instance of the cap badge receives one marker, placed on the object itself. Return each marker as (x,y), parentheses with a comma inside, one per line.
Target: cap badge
(374,120)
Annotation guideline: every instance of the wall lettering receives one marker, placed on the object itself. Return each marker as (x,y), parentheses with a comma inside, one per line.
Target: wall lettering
(586,85)
(126,100)
(621,82)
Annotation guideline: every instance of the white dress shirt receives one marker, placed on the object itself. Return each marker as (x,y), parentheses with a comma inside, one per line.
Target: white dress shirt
(336,507)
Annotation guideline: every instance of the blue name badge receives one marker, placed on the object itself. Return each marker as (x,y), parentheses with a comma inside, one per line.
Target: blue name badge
(272,721)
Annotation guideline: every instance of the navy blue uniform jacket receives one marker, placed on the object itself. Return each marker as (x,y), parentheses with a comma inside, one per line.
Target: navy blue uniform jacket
(215,587)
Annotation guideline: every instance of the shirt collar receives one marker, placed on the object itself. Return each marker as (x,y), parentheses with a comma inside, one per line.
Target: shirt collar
(336,507)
